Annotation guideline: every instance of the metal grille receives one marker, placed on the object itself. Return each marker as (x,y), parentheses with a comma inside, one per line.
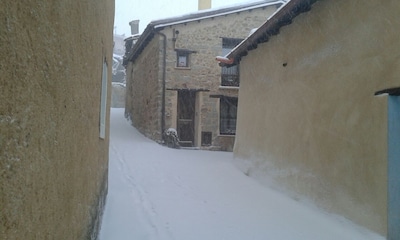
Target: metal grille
(229,75)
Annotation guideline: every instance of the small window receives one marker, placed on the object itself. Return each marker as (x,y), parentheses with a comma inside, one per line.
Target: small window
(228,115)
(182,59)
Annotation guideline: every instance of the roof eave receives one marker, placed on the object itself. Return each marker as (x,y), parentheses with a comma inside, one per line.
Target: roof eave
(141,43)
(284,16)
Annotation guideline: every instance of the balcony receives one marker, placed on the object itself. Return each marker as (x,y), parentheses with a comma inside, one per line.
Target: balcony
(231,80)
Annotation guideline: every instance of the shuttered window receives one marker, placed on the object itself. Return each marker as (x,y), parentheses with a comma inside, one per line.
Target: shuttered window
(103,103)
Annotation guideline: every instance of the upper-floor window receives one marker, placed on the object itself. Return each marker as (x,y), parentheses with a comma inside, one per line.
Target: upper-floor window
(229,75)
(182,59)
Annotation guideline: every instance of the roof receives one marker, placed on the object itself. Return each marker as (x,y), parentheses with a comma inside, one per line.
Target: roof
(284,16)
(210,13)
(157,25)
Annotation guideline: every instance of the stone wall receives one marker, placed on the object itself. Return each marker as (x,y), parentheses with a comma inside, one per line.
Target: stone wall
(53,165)
(205,39)
(308,118)
(143,101)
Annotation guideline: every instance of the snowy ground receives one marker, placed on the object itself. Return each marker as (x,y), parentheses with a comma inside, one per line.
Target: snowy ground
(158,193)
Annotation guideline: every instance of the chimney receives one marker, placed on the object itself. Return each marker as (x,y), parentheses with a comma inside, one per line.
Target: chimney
(204,4)
(134,27)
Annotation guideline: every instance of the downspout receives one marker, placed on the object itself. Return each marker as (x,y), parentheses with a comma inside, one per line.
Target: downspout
(164,65)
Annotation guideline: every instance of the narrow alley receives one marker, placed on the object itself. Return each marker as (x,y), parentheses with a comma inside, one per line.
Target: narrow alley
(159,193)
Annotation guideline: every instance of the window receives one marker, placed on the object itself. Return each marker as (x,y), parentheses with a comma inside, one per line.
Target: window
(182,59)
(228,114)
(103,104)
(229,75)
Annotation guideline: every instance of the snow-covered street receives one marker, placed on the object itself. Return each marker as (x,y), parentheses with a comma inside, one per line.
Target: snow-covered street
(158,193)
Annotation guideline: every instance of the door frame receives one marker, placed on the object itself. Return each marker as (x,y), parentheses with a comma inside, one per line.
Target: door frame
(393,167)
(393,162)
(190,141)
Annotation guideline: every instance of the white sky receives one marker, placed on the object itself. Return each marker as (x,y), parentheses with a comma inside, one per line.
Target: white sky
(147,10)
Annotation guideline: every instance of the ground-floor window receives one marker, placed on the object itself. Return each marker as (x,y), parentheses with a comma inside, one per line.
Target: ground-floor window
(228,115)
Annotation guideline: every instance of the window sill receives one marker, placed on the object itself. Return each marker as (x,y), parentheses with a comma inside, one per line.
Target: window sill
(229,87)
(226,135)
(183,68)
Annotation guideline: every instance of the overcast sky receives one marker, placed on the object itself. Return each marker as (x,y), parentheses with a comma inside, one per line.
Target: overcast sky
(148,10)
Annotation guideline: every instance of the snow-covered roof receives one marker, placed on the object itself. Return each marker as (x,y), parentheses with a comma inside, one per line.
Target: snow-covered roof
(155,25)
(210,13)
(119,57)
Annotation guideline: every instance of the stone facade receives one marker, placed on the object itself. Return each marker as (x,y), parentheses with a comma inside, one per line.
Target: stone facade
(53,164)
(143,92)
(151,113)
(308,118)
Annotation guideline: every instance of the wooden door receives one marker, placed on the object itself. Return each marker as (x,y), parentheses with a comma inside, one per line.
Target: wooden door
(186,113)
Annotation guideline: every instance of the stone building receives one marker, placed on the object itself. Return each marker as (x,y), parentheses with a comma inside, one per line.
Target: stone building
(55,64)
(309,118)
(172,79)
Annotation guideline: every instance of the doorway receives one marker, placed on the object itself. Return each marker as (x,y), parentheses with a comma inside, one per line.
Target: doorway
(186,113)
(393,167)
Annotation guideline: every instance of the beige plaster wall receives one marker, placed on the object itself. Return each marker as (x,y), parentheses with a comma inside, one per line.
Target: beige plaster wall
(314,127)
(53,165)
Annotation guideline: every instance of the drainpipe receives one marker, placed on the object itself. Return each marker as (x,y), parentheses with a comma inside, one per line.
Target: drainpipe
(164,65)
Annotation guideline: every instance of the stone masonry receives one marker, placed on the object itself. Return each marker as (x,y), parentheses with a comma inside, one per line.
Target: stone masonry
(204,39)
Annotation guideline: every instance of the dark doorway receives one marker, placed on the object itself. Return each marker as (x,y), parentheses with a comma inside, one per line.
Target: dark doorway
(394,167)
(186,113)
(393,163)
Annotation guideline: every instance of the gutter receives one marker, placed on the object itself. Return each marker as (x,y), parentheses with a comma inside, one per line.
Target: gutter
(224,60)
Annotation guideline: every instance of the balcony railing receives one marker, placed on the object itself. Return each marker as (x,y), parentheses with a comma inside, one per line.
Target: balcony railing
(231,80)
